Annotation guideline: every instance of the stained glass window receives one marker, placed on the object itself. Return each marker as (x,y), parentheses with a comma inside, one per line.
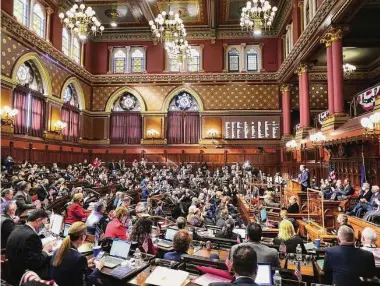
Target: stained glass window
(68,96)
(233,60)
(65,42)
(20,11)
(119,62)
(39,20)
(137,61)
(252,63)
(193,63)
(76,50)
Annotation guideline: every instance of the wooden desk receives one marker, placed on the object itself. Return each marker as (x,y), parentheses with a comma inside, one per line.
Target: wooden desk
(314,231)
(223,254)
(244,210)
(142,276)
(305,270)
(359,224)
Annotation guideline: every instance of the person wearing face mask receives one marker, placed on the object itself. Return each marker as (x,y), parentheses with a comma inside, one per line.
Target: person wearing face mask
(116,228)
(68,267)
(24,248)
(76,212)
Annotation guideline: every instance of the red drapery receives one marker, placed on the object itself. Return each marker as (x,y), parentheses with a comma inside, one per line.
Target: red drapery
(70,116)
(20,102)
(125,128)
(37,119)
(183,127)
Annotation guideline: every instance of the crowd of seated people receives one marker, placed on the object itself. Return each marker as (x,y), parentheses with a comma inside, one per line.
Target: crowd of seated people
(188,196)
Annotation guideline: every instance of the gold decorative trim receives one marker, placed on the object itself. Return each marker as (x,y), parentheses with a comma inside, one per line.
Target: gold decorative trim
(286,88)
(116,94)
(94,142)
(76,83)
(47,135)
(6,81)
(158,141)
(174,92)
(302,68)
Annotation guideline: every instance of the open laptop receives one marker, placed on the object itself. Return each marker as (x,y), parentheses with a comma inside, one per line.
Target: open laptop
(169,237)
(119,252)
(264,275)
(241,231)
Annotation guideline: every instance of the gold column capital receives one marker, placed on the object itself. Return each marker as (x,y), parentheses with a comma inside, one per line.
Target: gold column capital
(302,69)
(49,11)
(327,41)
(285,88)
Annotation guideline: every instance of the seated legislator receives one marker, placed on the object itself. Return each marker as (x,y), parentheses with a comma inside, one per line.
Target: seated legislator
(181,222)
(6,195)
(227,231)
(23,199)
(244,262)
(287,236)
(181,244)
(364,198)
(369,238)
(141,234)
(96,218)
(345,264)
(8,221)
(116,227)
(75,212)
(293,207)
(264,253)
(68,267)
(24,248)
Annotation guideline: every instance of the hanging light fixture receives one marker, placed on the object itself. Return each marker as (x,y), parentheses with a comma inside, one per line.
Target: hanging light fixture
(256,15)
(81,21)
(348,68)
(168,27)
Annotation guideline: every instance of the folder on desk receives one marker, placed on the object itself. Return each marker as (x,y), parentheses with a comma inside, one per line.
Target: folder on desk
(162,276)
(206,279)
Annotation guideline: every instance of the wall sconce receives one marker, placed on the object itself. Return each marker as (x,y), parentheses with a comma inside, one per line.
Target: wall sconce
(291,145)
(59,126)
(212,133)
(371,124)
(317,138)
(8,115)
(152,133)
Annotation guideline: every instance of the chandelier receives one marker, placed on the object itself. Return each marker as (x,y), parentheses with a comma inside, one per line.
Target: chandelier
(81,20)
(291,145)
(348,68)
(256,15)
(371,124)
(168,27)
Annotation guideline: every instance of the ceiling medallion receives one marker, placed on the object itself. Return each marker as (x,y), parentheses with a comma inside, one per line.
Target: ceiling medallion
(114,15)
(256,15)
(348,69)
(81,21)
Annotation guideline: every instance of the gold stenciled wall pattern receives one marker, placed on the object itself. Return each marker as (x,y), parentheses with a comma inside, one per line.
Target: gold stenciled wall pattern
(10,52)
(317,95)
(58,76)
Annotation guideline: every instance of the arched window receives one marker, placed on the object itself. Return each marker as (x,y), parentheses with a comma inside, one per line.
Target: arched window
(66,41)
(119,62)
(137,60)
(70,96)
(39,18)
(127,102)
(21,11)
(70,114)
(76,50)
(233,60)
(252,61)
(194,63)
(183,101)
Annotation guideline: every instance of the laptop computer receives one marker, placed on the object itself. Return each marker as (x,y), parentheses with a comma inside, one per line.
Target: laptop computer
(169,237)
(119,252)
(264,275)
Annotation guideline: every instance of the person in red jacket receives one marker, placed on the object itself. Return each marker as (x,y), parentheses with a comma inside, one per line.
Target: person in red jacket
(97,163)
(116,228)
(75,212)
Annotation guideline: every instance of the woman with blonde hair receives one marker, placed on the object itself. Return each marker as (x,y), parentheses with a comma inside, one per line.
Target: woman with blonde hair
(68,267)
(116,228)
(76,212)
(287,236)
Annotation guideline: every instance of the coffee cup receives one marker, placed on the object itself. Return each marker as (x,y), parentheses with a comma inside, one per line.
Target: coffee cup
(317,243)
(96,250)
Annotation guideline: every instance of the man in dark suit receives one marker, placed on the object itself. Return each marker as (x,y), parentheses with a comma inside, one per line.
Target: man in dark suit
(23,200)
(264,253)
(8,220)
(345,264)
(244,262)
(24,248)
(304,178)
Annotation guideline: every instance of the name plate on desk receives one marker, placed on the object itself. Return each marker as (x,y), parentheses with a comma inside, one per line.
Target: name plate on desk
(251,127)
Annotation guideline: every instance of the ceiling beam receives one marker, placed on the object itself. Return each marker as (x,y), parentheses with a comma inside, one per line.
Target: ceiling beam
(145,9)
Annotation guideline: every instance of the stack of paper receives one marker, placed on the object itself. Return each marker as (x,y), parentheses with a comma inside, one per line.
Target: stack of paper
(208,278)
(162,276)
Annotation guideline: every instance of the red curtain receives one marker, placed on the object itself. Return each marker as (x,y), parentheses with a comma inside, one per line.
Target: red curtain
(183,127)
(20,102)
(74,125)
(125,128)
(37,119)
(65,117)
(192,127)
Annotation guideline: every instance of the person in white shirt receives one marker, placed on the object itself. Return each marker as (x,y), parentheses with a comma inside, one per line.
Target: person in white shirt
(369,238)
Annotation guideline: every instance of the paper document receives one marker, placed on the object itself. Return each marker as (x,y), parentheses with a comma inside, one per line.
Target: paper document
(208,278)
(162,276)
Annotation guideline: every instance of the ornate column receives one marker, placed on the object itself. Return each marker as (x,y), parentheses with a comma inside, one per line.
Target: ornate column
(337,57)
(330,80)
(145,62)
(303,78)
(286,121)
(225,62)
(49,11)
(110,49)
(242,57)
(128,49)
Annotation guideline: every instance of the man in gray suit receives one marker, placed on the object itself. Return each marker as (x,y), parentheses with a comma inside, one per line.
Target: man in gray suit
(264,253)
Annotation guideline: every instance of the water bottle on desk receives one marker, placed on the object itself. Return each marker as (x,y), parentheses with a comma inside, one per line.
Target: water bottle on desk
(277,280)
(299,253)
(137,256)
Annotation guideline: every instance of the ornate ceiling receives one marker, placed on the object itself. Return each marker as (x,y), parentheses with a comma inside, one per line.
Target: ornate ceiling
(203,18)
